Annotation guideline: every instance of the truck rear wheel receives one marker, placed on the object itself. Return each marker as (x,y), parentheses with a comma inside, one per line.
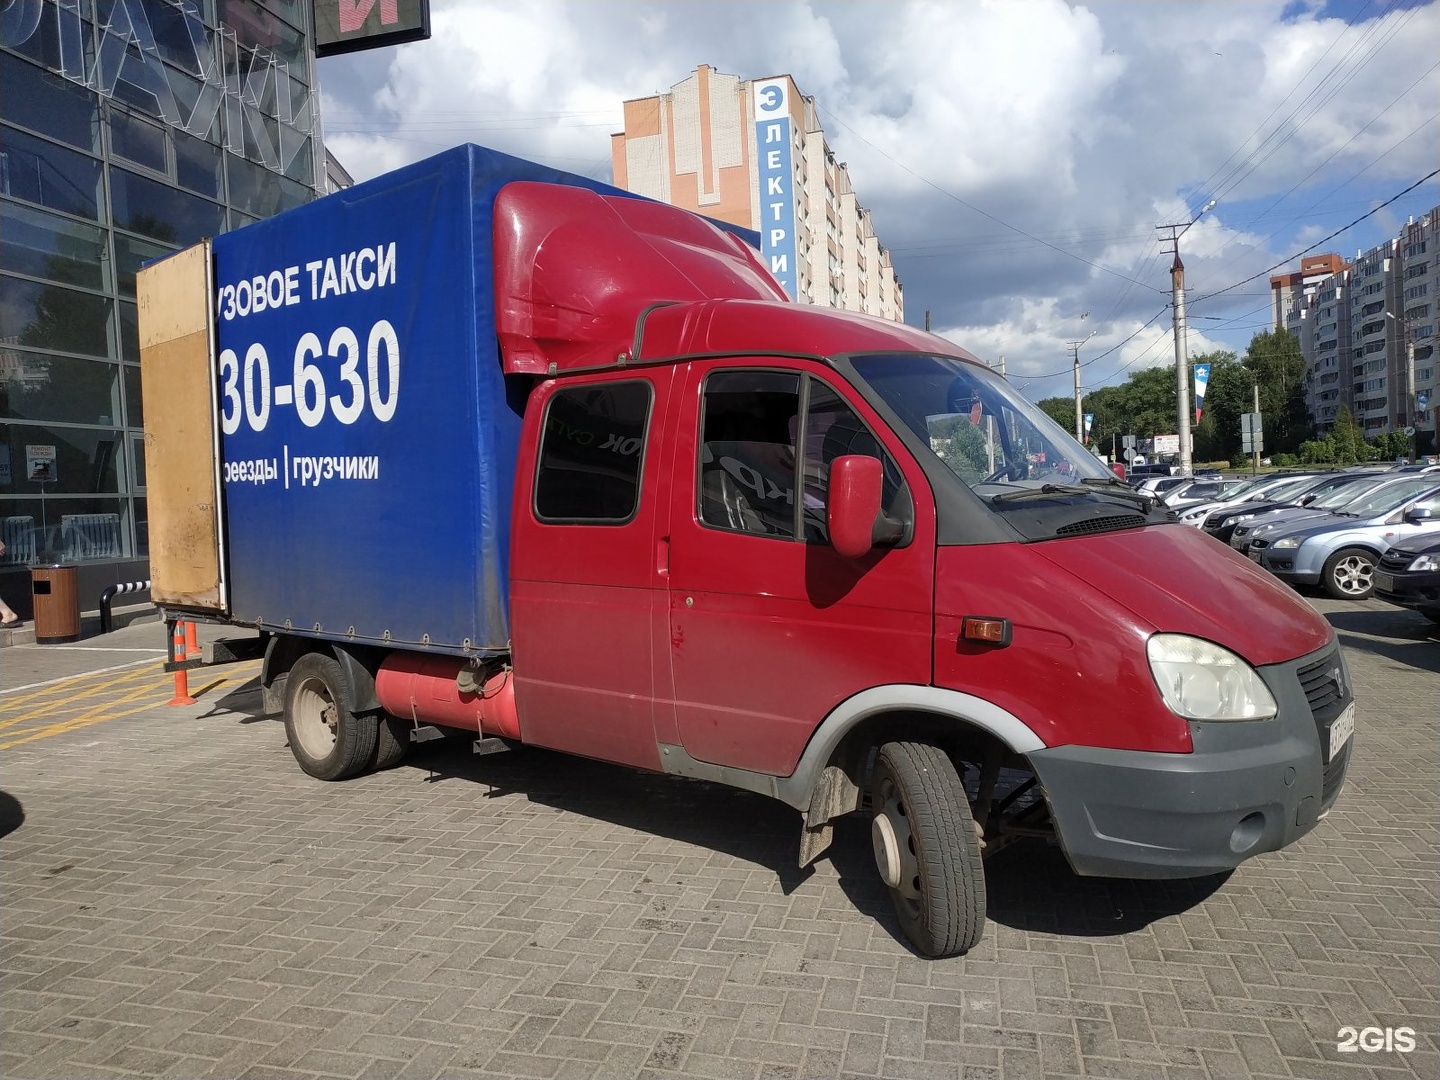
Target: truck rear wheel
(328,740)
(926,848)
(392,741)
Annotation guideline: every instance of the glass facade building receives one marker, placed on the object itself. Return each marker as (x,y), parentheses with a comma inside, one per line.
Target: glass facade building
(128,129)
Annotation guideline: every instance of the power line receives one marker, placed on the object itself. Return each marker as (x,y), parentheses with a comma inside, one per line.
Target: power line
(1321,242)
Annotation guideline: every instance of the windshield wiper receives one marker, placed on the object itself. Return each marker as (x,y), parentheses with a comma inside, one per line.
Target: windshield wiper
(1045,490)
(1111,483)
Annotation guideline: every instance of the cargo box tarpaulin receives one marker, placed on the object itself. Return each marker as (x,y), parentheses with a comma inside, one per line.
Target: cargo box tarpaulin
(368,446)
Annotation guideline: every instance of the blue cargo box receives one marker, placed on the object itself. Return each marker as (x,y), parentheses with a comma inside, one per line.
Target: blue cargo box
(368,445)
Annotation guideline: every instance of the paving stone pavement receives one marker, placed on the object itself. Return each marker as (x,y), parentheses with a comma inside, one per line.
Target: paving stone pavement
(181,900)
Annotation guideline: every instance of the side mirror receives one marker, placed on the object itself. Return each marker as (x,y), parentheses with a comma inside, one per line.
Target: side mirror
(853,504)
(1420,515)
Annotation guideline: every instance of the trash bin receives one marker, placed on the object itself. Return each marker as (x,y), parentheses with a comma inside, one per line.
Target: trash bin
(57,604)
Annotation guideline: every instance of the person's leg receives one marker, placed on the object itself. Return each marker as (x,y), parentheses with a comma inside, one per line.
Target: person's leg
(7,617)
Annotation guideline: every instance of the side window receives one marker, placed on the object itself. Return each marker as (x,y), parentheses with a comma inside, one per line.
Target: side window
(832,430)
(591,451)
(747,452)
(751,437)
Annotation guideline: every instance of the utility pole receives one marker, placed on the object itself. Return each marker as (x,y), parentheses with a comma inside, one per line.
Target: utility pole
(1079,420)
(1182,366)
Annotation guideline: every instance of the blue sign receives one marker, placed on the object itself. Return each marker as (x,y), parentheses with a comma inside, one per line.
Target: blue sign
(1202,379)
(1089,419)
(777,222)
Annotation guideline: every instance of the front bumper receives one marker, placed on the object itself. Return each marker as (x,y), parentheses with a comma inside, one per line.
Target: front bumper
(1286,564)
(1248,787)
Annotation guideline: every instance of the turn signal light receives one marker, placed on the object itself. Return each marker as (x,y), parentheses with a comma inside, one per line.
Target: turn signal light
(985,630)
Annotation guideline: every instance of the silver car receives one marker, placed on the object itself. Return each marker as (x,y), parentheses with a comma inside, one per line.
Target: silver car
(1262,524)
(1340,555)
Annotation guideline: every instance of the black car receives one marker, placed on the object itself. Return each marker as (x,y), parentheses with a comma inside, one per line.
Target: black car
(1410,576)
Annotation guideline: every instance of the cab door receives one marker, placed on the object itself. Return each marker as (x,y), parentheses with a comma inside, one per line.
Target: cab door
(587,596)
(769,627)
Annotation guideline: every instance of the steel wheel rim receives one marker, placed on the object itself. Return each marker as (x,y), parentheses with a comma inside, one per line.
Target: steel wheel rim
(316,718)
(892,808)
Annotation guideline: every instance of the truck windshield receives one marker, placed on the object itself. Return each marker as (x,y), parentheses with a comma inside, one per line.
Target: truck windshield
(980,427)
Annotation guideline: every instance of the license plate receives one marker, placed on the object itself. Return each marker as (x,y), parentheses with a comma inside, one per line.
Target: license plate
(1341,728)
(1384,582)
(1254,556)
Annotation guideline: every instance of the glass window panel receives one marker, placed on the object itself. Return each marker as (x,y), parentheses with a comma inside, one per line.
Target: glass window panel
(198,104)
(198,165)
(164,213)
(136,140)
(43,316)
(71,529)
(43,43)
(131,254)
(59,389)
(594,480)
(129,331)
(747,454)
(253,189)
(41,172)
(256,28)
(134,401)
(49,104)
(175,29)
(52,247)
(86,462)
(302,167)
(142,528)
(137,462)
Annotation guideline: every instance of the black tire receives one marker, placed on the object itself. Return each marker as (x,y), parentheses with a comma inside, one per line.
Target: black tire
(392,741)
(328,740)
(1349,574)
(940,891)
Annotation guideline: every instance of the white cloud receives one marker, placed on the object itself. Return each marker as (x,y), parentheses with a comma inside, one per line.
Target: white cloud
(1017,154)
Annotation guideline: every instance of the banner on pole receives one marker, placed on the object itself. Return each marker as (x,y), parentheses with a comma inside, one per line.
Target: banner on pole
(1089,420)
(1202,380)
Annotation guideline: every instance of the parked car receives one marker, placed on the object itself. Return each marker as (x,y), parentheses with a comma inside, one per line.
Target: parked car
(1195,491)
(1246,524)
(1340,556)
(1157,485)
(1409,575)
(1263,489)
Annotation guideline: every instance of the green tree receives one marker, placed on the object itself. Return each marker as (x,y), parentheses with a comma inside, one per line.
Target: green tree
(1347,442)
(1277,366)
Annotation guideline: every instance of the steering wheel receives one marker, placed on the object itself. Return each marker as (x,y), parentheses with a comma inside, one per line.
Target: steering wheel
(1016,470)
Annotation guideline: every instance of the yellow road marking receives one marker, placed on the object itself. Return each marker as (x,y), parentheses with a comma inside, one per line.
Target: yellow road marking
(99,712)
(49,697)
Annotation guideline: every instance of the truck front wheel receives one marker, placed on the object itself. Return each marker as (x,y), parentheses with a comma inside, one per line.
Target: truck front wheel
(926,848)
(328,740)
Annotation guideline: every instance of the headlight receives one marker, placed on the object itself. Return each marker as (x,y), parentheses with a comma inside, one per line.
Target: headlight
(1201,681)
(1425,562)
(1287,542)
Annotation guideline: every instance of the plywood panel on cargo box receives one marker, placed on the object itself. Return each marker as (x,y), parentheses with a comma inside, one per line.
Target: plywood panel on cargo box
(180,440)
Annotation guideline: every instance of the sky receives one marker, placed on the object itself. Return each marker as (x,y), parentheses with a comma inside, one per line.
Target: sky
(1017,156)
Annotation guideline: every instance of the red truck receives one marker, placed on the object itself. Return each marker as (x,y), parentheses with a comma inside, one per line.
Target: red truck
(485,446)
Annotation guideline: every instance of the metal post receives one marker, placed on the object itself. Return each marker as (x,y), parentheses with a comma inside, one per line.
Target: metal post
(1255,436)
(1182,373)
(1410,405)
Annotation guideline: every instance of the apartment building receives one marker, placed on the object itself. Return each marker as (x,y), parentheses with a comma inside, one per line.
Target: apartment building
(1367,331)
(753,153)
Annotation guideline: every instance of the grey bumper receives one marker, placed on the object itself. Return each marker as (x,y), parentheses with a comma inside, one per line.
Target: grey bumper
(1248,787)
